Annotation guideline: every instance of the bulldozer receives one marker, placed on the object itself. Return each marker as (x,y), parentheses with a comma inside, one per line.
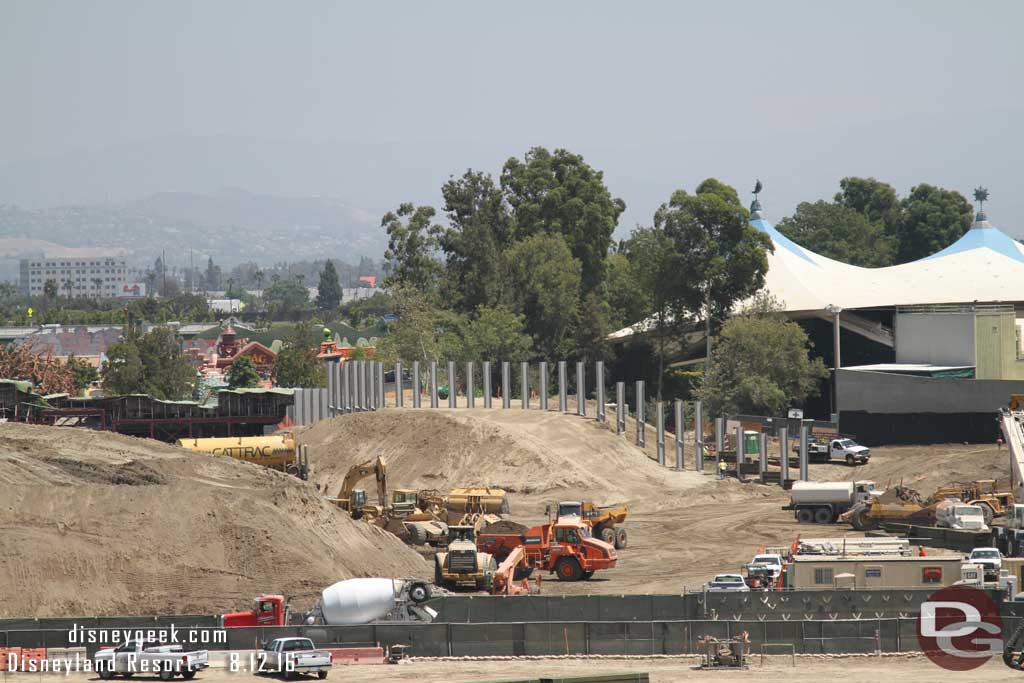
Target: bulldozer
(353,500)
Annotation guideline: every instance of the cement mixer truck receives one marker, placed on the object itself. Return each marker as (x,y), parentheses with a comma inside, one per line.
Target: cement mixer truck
(276,451)
(352,601)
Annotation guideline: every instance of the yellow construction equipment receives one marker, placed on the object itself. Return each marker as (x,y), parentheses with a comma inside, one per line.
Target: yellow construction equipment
(429,522)
(277,451)
(985,493)
(353,500)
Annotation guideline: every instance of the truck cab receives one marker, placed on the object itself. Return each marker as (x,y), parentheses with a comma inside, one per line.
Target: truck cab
(268,610)
(403,501)
(989,559)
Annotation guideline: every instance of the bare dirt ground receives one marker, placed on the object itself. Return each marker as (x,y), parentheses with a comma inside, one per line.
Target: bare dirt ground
(94,523)
(776,669)
(683,527)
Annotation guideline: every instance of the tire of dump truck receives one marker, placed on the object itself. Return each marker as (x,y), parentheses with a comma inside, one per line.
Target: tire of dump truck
(805,515)
(608,535)
(438,577)
(621,539)
(568,569)
(823,516)
(986,510)
(417,534)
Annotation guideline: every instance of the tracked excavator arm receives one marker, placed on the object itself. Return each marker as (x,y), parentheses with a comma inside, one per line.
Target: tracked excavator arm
(378,468)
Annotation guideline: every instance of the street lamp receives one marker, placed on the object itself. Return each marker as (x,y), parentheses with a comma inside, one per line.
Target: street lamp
(837,362)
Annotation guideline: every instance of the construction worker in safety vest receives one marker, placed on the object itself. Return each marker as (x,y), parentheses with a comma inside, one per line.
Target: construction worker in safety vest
(721,469)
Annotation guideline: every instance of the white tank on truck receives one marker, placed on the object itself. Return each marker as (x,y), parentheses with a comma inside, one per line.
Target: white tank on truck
(367,600)
(823,502)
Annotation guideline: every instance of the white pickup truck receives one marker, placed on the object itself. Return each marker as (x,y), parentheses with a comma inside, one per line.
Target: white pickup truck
(149,657)
(836,450)
(290,656)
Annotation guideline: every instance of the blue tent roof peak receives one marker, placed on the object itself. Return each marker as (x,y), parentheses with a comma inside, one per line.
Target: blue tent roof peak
(983,235)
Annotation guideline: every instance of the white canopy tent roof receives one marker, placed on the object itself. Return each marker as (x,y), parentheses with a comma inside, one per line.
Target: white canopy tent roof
(985,265)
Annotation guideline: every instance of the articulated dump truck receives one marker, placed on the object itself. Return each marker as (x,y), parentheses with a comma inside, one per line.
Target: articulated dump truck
(277,451)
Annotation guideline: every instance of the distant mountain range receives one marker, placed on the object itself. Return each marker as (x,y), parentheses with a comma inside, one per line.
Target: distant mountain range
(231,225)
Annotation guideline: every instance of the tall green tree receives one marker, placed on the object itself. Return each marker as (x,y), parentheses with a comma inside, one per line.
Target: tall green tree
(242,373)
(122,372)
(652,255)
(718,258)
(480,227)
(841,233)
(153,364)
(761,364)
(423,331)
(623,293)
(542,282)
(412,245)
(83,371)
(496,333)
(286,299)
(296,364)
(167,372)
(932,219)
(875,200)
(328,294)
(560,194)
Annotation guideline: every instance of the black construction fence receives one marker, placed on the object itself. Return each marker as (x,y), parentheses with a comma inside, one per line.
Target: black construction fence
(840,636)
(823,621)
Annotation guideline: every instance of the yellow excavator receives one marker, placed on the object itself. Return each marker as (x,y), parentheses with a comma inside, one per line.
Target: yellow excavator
(353,500)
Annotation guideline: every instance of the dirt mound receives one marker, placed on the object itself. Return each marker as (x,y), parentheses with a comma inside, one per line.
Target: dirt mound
(523,452)
(94,523)
(505,526)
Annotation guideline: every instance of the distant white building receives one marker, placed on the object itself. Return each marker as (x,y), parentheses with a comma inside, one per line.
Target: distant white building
(96,277)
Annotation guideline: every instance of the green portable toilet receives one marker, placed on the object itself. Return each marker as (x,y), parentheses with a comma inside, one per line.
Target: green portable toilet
(750,445)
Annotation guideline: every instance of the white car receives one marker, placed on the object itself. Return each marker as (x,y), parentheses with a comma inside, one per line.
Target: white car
(728,582)
(149,657)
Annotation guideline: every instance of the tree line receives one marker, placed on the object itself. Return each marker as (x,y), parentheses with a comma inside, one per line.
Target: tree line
(868,224)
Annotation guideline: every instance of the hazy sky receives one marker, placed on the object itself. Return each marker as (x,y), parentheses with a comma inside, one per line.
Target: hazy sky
(378,102)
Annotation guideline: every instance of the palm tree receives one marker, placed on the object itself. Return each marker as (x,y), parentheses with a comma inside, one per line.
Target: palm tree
(97,282)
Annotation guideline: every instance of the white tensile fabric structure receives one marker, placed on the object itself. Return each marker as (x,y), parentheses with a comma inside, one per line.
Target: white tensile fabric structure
(985,266)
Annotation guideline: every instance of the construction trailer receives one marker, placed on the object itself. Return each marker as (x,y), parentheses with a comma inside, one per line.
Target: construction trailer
(873,571)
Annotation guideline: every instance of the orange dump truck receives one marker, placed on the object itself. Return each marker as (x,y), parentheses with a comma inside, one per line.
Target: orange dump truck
(566,548)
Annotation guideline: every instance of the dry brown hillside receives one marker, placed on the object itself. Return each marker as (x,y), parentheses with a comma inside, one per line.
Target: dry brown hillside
(94,523)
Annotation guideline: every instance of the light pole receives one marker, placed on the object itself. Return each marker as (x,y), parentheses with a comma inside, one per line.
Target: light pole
(837,362)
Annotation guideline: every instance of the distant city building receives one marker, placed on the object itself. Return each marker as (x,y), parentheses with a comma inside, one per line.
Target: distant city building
(96,277)
(355,293)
